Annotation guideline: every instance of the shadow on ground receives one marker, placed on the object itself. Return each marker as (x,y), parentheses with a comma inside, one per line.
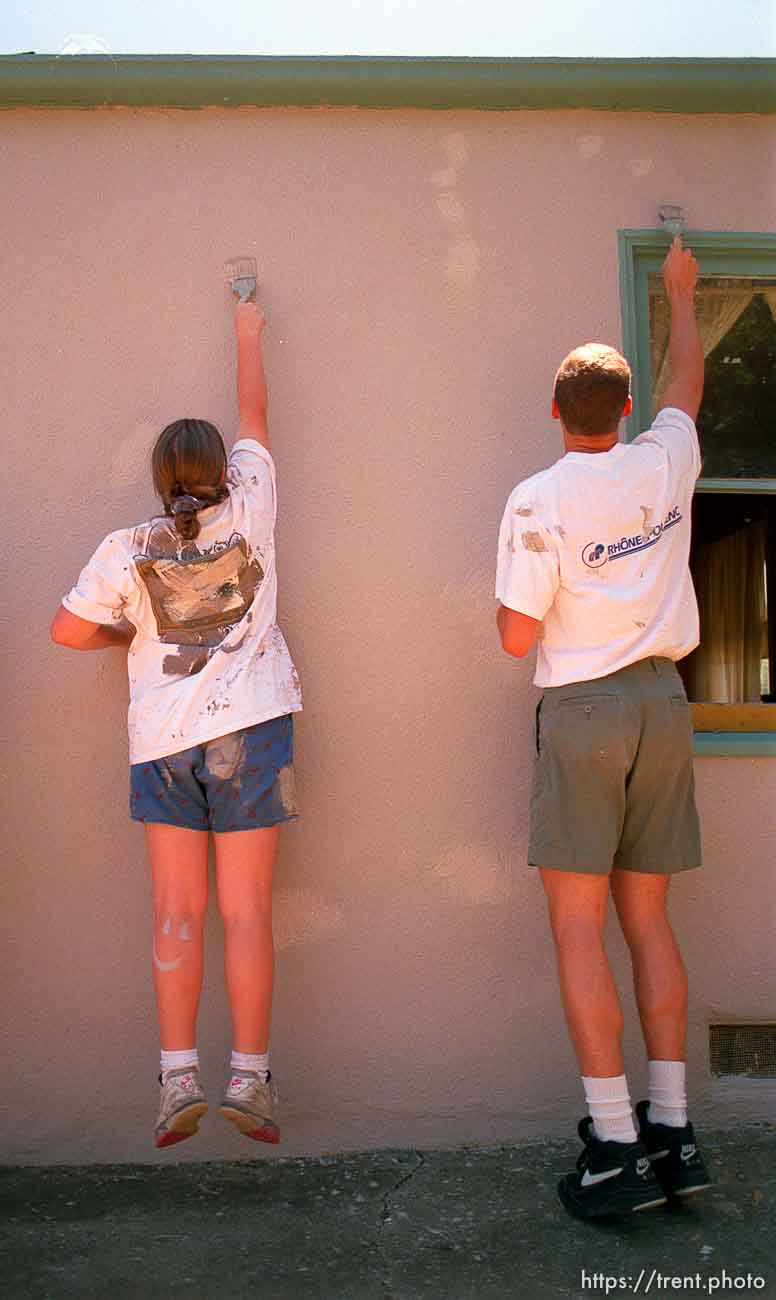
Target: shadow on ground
(474,1224)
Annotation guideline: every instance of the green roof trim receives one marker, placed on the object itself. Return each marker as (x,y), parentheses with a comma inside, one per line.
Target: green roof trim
(200,81)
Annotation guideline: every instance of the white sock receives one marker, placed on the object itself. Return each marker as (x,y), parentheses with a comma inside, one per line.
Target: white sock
(177,1060)
(256,1061)
(667,1095)
(608,1101)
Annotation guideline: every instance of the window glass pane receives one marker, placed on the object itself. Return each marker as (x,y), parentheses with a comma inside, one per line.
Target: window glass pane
(732,558)
(737,323)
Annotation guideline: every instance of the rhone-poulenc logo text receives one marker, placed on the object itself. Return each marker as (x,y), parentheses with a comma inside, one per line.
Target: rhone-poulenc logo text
(597,553)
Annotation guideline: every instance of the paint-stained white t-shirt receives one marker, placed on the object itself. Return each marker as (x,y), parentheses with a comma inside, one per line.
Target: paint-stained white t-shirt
(597,548)
(207,657)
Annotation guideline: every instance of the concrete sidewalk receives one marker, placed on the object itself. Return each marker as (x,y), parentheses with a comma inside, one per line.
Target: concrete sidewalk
(478,1223)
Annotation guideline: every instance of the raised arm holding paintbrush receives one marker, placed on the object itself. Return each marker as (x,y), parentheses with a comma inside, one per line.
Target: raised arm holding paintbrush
(212,694)
(593,552)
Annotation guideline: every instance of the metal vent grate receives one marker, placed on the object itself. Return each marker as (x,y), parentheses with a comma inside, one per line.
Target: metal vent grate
(748,1050)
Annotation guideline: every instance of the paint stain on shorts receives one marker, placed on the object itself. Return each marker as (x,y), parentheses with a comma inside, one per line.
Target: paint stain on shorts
(285,790)
(224,756)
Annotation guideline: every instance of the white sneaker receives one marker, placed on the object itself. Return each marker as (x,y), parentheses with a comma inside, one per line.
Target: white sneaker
(181,1106)
(249,1104)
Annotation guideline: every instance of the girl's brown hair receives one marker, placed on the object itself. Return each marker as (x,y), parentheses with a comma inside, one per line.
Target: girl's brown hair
(188,465)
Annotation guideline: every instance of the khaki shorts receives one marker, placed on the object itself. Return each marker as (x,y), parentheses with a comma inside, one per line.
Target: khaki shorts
(613,781)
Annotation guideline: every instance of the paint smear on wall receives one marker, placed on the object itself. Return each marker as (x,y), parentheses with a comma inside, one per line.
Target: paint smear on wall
(132,461)
(463,261)
(305,916)
(456,149)
(451,209)
(588,146)
(476,873)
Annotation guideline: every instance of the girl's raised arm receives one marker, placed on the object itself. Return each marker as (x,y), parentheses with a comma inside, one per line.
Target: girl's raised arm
(249,321)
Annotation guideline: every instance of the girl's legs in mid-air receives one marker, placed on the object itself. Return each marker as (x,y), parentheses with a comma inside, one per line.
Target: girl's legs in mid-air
(244,865)
(245,862)
(179,866)
(179,869)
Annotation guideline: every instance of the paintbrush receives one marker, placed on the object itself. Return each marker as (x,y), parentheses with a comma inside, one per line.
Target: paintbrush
(240,273)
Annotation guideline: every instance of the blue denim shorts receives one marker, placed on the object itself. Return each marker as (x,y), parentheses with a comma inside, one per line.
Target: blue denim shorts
(235,783)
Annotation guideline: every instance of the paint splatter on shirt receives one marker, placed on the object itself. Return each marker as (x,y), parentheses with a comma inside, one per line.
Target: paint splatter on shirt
(603,560)
(208,657)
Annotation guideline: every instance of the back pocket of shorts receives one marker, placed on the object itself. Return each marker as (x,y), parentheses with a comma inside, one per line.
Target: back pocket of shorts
(585,728)
(681,719)
(586,702)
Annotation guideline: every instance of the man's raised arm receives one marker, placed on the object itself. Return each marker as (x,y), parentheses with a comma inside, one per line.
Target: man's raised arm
(685,354)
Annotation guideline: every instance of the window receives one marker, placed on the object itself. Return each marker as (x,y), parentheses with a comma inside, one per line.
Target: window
(731,677)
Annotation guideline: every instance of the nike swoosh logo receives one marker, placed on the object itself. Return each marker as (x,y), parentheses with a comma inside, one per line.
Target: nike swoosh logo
(688,1155)
(589,1180)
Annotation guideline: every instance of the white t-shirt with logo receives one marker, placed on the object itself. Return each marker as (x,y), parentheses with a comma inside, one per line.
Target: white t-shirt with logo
(207,657)
(597,547)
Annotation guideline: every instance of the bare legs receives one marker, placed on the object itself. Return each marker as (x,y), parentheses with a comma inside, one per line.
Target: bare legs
(659,977)
(179,868)
(244,866)
(577,904)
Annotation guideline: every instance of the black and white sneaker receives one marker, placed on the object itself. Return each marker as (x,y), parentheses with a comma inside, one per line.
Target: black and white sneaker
(611,1178)
(674,1155)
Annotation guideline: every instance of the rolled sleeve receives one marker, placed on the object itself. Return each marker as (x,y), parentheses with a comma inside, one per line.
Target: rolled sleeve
(673,430)
(527,570)
(103,586)
(252,468)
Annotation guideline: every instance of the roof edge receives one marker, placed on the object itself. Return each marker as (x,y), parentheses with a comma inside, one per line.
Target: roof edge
(232,81)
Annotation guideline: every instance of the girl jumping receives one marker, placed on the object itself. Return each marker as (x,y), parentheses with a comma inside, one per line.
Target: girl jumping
(192,594)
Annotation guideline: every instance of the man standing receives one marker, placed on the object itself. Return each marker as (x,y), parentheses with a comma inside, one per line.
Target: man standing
(593,565)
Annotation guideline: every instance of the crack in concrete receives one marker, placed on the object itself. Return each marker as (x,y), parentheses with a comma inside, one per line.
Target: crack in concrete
(375,1244)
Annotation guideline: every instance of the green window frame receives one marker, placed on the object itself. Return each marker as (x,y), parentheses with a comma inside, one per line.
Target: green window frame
(642,252)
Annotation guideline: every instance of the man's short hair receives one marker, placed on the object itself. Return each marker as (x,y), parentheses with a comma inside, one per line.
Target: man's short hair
(591,388)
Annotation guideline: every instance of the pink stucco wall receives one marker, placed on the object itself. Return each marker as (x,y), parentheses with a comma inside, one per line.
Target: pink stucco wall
(423,274)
